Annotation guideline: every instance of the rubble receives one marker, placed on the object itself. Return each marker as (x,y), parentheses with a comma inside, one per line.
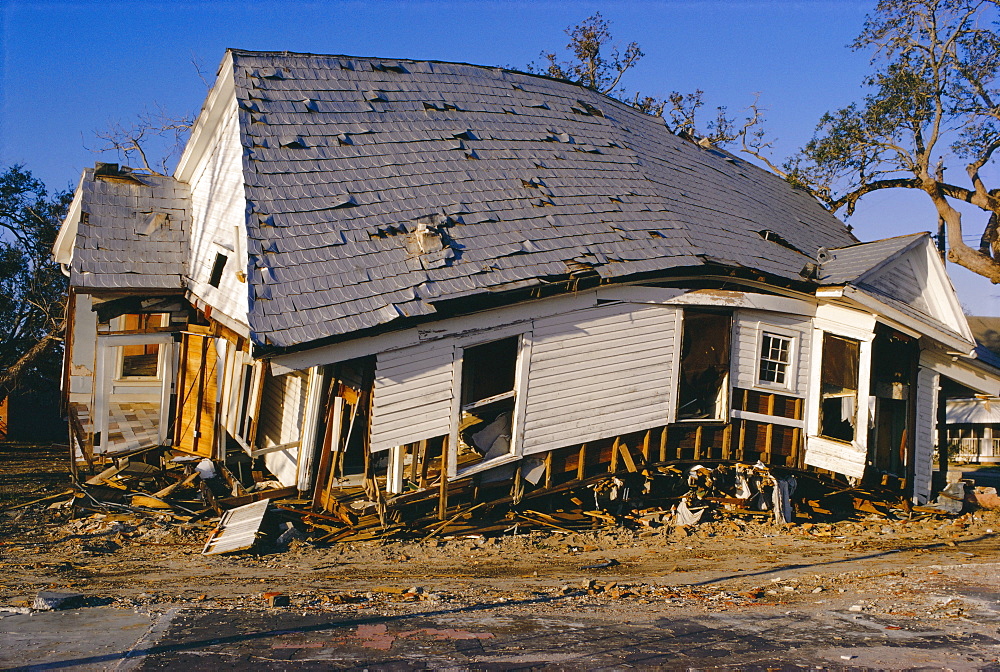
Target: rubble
(159,496)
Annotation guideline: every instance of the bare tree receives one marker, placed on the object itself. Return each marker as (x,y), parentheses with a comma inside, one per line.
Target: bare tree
(596,62)
(933,104)
(149,143)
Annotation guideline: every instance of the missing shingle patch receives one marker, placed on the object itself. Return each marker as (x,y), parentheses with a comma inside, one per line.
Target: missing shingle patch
(773,237)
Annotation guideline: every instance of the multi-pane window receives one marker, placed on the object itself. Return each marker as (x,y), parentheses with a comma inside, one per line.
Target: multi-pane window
(775,358)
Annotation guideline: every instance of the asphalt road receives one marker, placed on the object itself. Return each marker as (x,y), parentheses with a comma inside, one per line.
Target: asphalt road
(547,632)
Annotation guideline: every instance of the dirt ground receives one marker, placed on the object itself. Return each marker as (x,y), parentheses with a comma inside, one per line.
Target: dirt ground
(902,574)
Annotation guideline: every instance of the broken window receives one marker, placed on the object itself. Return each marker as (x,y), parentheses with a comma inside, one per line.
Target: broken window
(704,375)
(140,361)
(217,268)
(485,427)
(839,387)
(775,359)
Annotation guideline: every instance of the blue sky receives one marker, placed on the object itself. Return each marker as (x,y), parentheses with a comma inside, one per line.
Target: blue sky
(68,68)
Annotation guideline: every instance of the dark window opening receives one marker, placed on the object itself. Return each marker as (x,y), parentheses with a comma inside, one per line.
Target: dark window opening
(487,401)
(704,375)
(894,366)
(141,361)
(217,268)
(839,387)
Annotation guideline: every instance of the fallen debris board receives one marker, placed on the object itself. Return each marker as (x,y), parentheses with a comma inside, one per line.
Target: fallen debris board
(237,530)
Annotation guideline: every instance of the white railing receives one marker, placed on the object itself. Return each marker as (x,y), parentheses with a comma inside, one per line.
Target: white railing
(971,450)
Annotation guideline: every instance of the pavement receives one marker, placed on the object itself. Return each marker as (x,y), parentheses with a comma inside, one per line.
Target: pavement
(549,632)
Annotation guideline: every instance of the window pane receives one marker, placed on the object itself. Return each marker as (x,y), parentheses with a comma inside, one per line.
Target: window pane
(488,369)
(774,358)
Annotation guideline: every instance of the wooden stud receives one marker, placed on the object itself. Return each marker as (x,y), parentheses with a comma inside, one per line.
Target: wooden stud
(645,445)
(443,493)
(627,456)
(768,432)
(698,436)
(727,441)
(613,466)
(663,444)
(581,465)
(548,469)
(425,464)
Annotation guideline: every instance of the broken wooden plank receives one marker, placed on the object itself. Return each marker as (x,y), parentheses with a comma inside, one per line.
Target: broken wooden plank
(243,500)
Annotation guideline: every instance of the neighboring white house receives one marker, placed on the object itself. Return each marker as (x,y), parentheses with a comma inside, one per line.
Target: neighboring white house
(385,270)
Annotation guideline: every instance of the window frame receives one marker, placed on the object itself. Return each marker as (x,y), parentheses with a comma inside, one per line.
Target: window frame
(791,365)
(118,325)
(724,404)
(857,431)
(521,358)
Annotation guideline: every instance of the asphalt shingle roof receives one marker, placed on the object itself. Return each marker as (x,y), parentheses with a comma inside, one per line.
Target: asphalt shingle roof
(132,233)
(377,187)
(849,264)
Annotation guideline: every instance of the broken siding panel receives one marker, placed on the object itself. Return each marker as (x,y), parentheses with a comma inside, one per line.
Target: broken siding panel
(413,393)
(927,402)
(746,348)
(282,413)
(282,409)
(218,208)
(843,458)
(598,373)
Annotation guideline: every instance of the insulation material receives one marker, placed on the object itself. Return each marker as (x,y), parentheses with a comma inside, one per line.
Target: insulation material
(413,393)
(599,372)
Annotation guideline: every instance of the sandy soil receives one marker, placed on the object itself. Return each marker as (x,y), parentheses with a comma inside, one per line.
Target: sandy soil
(903,572)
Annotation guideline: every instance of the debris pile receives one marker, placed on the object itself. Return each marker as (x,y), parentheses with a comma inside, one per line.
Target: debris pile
(232,506)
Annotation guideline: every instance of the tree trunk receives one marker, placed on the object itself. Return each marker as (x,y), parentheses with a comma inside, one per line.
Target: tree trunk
(959,252)
(8,378)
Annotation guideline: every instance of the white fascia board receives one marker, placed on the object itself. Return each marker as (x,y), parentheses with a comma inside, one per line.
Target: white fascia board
(944,296)
(897,318)
(487,320)
(62,249)
(218,101)
(745,300)
(964,370)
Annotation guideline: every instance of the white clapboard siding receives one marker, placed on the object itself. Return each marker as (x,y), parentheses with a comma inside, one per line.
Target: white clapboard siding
(598,373)
(218,212)
(746,348)
(843,458)
(927,401)
(413,393)
(283,408)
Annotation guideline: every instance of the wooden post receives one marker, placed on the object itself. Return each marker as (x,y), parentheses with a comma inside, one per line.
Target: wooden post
(727,440)
(581,465)
(645,446)
(443,493)
(768,433)
(698,434)
(548,469)
(613,466)
(663,444)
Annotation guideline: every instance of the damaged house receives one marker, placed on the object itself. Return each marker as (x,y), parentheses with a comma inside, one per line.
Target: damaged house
(424,284)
